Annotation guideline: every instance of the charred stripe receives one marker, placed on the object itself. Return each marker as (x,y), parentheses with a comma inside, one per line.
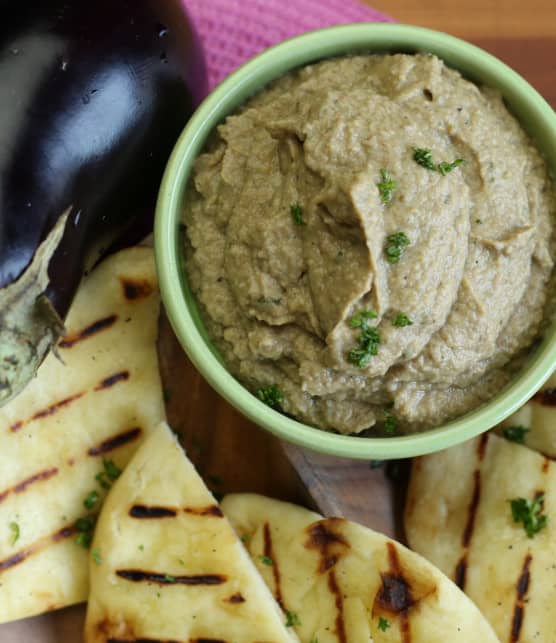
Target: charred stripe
(140,575)
(145,512)
(481,449)
(461,572)
(335,590)
(522,587)
(236,598)
(473,506)
(20,487)
(269,553)
(136,289)
(49,410)
(88,331)
(211,510)
(116,441)
(109,381)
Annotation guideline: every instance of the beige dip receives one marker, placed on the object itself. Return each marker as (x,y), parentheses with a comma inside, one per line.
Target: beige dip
(290,249)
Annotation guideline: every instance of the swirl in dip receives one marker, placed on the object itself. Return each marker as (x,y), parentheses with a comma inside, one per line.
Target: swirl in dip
(370,242)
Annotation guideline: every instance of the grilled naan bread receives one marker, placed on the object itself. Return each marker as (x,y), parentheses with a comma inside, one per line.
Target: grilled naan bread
(96,400)
(169,566)
(538,416)
(459,516)
(340,582)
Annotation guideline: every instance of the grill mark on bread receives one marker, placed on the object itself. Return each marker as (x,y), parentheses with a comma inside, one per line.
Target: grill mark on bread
(545,465)
(235,598)
(340,627)
(144,512)
(547,397)
(49,410)
(460,572)
(522,587)
(140,575)
(109,381)
(88,331)
(327,542)
(210,510)
(23,554)
(268,552)
(395,595)
(20,487)
(116,441)
(135,289)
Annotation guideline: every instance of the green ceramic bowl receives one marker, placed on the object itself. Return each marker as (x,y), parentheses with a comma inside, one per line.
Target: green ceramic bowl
(533,112)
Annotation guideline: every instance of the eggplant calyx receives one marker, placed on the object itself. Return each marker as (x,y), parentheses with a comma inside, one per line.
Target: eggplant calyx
(29,324)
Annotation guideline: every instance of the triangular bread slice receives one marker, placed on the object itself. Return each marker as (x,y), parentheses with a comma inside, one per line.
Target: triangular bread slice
(341,582)
(459,516)
(97,399)
(166,564)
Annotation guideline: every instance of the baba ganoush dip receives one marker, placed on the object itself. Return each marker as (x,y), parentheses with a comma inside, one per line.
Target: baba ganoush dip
(370,242)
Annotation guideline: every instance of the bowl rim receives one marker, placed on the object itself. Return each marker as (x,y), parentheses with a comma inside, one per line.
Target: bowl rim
(251,77)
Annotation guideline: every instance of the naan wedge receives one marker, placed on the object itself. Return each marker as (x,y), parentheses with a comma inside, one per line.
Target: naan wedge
(340,582)
(458,515)
(97,400)
(538,415)
(166,564)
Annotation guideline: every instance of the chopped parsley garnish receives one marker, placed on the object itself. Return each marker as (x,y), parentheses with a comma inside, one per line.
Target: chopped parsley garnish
(424,158)
(91,500)
(272,396)
(14,528)
(390,423)
(292,618)
(395,243)
(141,548)
(169,578)
(515,433)
(402,320)
(111,473)
(266,560)
(85,526)
(529,512)
(296,211)
(444,167)
(368,340)
(244,538)
(96,556)
(386,186)
(383,624)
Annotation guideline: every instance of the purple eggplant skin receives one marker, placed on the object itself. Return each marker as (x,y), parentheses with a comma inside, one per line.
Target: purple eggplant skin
(93,95)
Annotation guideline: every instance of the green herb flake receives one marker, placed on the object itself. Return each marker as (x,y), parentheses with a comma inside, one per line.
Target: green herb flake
(444,167)
(390,423)
(95,555)
(102,480)
(515,433)
(402,320)
(266,560)
(296,211)
(314,640)
(169,578)
(85,539)
(112,470)
(368,340)
(395,243)
(91,500)
(85,526)
(14,528)
(272,396)
(292,618)
(423,157)
(383,624)
(244,538)
(141,548)
(181,562)
(529,512)
(386,186)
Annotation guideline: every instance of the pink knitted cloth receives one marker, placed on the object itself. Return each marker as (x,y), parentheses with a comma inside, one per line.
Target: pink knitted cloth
(233,31)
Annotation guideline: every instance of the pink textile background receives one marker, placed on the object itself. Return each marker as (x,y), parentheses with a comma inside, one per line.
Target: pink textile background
(234,30)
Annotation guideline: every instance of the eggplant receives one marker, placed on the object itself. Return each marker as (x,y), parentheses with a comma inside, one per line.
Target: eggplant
(93,96)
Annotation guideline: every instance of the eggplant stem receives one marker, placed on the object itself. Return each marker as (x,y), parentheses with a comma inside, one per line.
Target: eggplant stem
(29,324)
